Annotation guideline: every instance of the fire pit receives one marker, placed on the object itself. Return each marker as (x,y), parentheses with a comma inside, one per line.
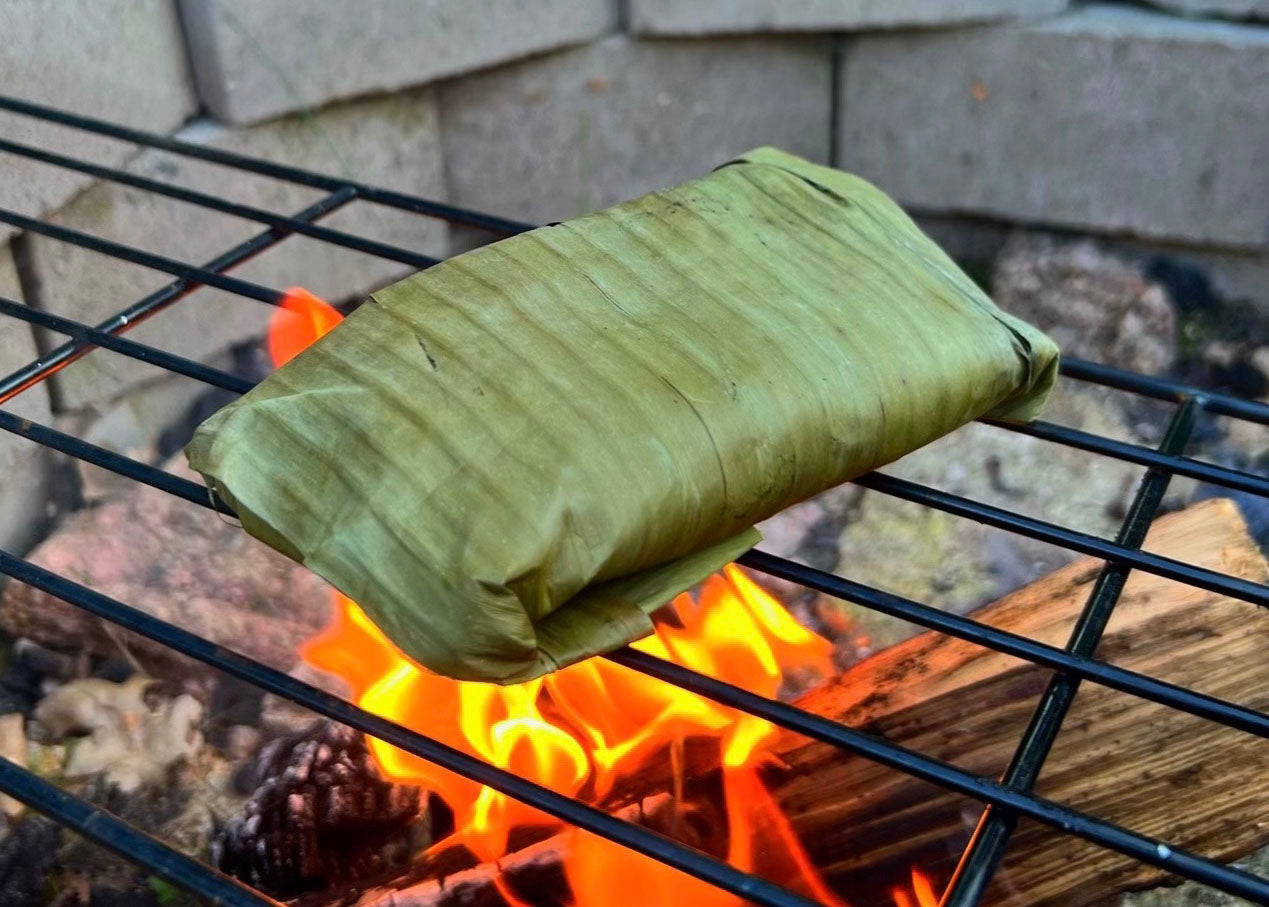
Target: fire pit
(519,759)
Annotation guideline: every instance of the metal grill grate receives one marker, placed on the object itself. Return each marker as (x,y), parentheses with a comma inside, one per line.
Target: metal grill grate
(1004,800)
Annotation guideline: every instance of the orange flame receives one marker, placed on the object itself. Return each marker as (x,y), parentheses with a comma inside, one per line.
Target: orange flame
(297,322)
(580,730)
(605,720)
(922,892)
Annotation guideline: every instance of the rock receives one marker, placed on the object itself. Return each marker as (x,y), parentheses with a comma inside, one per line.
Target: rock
(698,17)
(13,749)
(256,60)
(1096,305)
(1192,894)
(1222,364)
(320,815)
(130,742)
(958,564)
(78,707)
(280,717)
(1196,277)
(1077,121)
(181,563)
(183,809)
(1259,360)
(1250,440)
(48,664)
(23,680)
(25,465)
(242,741)
(26,855)
(808,533)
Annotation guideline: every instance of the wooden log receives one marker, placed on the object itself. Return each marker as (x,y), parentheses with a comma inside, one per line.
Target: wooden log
(1144,766)
(1152,769)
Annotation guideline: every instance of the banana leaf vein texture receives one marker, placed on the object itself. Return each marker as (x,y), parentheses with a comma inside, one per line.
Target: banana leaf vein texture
(511,459)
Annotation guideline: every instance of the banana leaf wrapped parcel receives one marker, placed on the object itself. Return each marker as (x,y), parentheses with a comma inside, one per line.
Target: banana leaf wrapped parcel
(511,459)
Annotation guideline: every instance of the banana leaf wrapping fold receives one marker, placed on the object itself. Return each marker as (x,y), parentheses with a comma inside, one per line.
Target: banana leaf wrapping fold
(509,460)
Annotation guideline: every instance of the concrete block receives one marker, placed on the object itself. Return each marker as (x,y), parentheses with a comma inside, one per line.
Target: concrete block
(1223,9)
(255,60)
(703,17)
(24,465)
(391,141)
(558,136)
(1108,118)
(120,60)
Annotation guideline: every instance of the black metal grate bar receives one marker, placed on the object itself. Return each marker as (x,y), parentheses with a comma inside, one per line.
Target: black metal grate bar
(991,837)
(1163,389)
(141,257)
(130,348)
(1041,530)
(1142,456)
(1072,368)
(574,812)
(161,299)
(271,680)
(111,832)
(402,200)
(1004,800)
(1197,704)
(108,459)
(1180,698)
(214,203)
(1169,568)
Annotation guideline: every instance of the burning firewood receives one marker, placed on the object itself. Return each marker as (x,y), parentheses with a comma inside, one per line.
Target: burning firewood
(865,827)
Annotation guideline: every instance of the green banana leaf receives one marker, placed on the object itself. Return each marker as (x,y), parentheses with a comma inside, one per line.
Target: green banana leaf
(511,459)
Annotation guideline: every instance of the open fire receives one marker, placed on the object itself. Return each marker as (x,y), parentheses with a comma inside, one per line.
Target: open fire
(580,730)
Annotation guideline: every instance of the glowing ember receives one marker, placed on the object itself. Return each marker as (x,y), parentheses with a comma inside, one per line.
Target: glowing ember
(580,730)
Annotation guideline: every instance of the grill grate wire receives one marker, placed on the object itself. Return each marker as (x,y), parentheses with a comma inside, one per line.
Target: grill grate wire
(1004,801)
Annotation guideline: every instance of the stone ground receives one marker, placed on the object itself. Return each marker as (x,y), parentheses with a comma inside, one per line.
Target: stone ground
(1191,894)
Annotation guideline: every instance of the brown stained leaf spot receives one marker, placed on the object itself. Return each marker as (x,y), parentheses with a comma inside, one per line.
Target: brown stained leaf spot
(979,91)
(596,84)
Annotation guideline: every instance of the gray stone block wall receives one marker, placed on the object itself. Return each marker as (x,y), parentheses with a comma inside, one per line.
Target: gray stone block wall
(392,141)
(121,60)
(1109,118)
(255,60)
(572,132)
(1233,9)
(702,17)
(24,465)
